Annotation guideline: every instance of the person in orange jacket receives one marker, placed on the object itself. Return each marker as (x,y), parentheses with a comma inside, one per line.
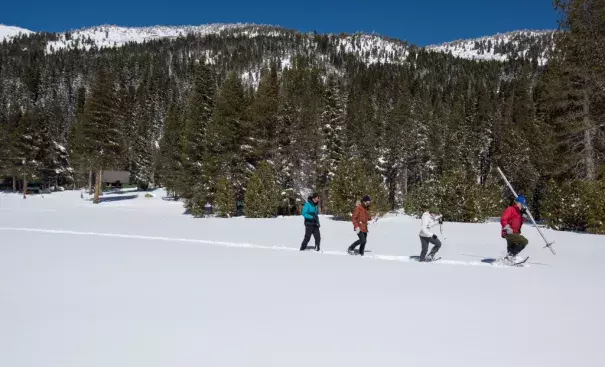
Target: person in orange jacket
(361,218)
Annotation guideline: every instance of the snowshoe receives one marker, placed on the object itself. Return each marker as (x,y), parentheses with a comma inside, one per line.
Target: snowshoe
(513,261)
(431,258)
(355,252)
(521,262)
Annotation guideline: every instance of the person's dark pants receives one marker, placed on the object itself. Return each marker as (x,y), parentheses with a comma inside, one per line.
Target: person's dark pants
(515,243)
(361,242)
(311,230)
(424,242)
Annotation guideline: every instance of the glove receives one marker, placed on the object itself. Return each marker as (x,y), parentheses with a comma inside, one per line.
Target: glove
(524,211)
(441,220)
(434,236)
(357,229)
(508,229)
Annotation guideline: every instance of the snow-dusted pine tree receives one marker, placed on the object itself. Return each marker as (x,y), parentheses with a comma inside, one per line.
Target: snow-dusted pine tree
(194,143)
(101,137)
(332,125)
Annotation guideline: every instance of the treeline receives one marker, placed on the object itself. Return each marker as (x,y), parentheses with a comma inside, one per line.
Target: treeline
(429,130)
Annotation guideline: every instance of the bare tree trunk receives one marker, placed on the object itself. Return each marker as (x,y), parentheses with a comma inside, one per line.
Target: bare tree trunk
(89,181)
(98,186)
(24,187)
(589,134)
(14,184)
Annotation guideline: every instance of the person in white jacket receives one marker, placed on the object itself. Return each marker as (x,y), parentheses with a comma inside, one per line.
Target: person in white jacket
(430,218)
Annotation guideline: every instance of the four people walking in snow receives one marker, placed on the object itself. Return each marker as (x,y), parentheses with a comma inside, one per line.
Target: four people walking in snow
(311,214)
(430,218)
(511,220)
(361,218)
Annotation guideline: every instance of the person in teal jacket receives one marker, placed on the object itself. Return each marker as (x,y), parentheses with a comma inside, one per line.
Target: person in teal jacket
(311,214)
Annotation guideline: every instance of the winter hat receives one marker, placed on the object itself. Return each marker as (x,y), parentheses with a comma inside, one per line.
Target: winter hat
(521,199)
(434,210)
(366,198)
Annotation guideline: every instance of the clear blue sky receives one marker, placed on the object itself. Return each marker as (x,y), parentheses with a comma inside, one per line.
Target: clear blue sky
(421,22)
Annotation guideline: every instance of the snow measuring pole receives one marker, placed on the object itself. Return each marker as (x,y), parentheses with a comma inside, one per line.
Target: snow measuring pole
(548,244)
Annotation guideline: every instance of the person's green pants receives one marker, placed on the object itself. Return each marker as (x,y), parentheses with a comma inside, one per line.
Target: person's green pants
(515,243)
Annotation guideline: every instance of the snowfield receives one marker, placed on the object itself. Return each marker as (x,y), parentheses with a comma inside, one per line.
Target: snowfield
(134,282)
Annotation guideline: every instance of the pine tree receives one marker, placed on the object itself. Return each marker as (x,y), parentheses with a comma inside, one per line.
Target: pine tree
(262,193)
(287,133)
(131,109)
(143,149)
(195,143)
(455,134)
(575,80)
(263,115)
(226,134)
(575,205)
(458,195)
(8,153)
(224,203)
(5,148)
(28,140)
(298,141)
(333,124)
(351,182)
(418,157)
(483,135)
(514,145)
(398,146)
(100,130)
(169,158)
(362,135)
(75,140)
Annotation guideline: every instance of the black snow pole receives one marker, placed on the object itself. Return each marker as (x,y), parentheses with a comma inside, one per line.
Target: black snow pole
(548,244)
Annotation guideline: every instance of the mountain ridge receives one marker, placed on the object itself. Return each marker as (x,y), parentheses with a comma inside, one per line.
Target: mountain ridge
(537,44)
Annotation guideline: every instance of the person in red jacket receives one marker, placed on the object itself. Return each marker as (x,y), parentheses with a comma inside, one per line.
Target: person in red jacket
(361,218)
(511,220)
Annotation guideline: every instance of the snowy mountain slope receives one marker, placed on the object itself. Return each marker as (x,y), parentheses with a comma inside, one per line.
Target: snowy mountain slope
(133,281)
(501,47)
(115,36)
(369,47)
(8,32)
(372,48)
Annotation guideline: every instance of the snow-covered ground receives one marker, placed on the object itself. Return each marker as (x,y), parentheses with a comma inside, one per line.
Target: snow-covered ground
(134,282)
